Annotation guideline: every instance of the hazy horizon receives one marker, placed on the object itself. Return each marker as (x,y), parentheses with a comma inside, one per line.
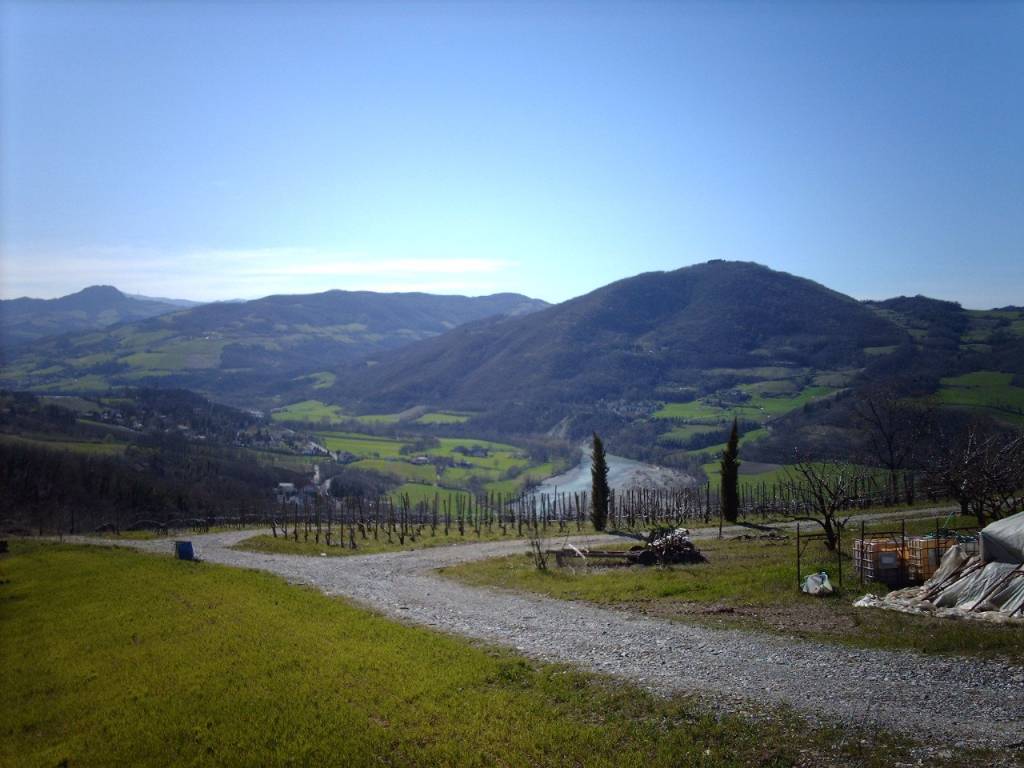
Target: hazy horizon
(231,299)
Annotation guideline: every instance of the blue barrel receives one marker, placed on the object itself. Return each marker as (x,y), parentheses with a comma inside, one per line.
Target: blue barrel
(183,550)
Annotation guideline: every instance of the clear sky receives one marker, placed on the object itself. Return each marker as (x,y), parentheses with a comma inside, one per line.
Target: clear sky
(203,150)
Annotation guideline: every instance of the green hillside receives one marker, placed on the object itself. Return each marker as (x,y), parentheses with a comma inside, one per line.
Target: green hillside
(270,350)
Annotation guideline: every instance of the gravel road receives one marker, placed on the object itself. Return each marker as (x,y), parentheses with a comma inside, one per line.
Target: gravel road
(941,700)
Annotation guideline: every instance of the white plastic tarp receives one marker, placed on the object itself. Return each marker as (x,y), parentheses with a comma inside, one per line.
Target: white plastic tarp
(990,592)
(1003,540)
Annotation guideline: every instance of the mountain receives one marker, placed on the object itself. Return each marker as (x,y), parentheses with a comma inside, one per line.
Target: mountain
(660,364)
(247,352)
(656,336)
(181,303)
(25,320)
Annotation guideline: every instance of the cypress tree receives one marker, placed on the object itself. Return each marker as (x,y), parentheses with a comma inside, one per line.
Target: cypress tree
(599,485)
(731,475)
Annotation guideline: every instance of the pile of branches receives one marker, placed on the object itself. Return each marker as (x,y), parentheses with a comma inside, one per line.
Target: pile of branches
(673,545)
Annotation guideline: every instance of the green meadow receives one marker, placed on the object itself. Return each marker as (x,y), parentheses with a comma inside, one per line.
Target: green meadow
(101,448)
(990,391)
(443,417)
(310,411)
(117,658)
(752,584)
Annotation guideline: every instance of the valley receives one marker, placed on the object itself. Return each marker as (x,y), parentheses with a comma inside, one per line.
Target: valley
(430,398)
(511,385)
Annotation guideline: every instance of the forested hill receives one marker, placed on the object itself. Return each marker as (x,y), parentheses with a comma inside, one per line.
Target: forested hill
(25,320)
(252,351)
(640,338)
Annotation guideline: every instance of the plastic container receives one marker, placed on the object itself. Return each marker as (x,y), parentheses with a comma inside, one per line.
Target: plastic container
(183,550)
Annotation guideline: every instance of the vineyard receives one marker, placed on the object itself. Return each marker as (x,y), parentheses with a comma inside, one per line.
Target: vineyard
(353,521)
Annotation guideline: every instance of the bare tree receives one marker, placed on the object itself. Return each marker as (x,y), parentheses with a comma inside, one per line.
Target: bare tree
(821,491)
(895,427)
(983,469)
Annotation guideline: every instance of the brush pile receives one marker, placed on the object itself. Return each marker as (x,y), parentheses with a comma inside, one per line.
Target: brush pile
(673,545)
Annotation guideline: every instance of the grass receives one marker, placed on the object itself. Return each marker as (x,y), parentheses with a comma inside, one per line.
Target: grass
(364,446)
(118,658)
(113,657)
(369,545)
(771,477)
(685,432)
(988,390)
(695,410)
(776,475)
(767,400)
(92,383)
(443,417)
(76,446)
(418,492)
(752,584)
(290,461)
(179,354)
(763,372)
(766,404)
(384,455)
(77,404)
(150,535)
(322,379)
(716,450)
(311,411)
(402,471)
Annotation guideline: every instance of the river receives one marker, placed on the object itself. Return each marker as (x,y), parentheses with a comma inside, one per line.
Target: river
(622,473)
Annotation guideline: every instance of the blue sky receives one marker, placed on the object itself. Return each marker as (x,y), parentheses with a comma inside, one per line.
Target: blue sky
(203,150)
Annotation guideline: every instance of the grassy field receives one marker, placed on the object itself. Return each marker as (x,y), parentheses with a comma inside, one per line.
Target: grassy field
(686,432)
(752,584)
(77,446)
(290,461)
(987,390)
(767,400)
(776,474)
(716,450)
(402,471)
(765,404)
(374,453)
(693,411)
(312,411)
(116,658)
(755,474)
(364,446)
(318,412)
(443,417)
(322,379)
(418,492)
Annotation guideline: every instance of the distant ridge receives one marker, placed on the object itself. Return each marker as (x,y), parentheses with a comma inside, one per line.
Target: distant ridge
(183,303)
(25,319)
(256,349)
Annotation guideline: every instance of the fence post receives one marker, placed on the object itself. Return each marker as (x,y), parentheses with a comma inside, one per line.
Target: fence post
(798,555)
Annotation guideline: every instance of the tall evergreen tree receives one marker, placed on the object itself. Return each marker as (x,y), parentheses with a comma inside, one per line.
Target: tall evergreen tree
(599,485)
(731,475)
